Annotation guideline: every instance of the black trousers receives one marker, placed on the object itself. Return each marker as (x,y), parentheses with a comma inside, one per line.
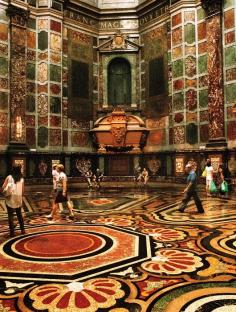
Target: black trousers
(187,197)
(10,212)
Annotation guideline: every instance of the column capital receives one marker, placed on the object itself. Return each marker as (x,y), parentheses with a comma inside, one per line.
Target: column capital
(212,6)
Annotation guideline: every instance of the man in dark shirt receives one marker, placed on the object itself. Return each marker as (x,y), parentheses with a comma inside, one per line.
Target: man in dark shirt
(191,189)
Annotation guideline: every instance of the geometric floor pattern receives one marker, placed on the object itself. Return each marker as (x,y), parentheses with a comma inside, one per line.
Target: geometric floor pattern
(126,251)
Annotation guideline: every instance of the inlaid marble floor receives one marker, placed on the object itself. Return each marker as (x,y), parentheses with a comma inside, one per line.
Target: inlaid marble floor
(124,251)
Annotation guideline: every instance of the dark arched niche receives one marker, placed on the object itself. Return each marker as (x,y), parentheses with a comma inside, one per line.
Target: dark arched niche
(119,82)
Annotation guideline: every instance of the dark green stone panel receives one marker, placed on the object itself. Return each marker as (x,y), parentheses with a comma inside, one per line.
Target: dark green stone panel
(3,66)
(30,71)
(202,64)
(55,105)
(178,101)
(55,73)
(3,100)
(230,93)
(31,23)
(230,56)
(30,103)
(177,68)
(192,133)
(203,98)
(189,33)
(43,40)
(42,136)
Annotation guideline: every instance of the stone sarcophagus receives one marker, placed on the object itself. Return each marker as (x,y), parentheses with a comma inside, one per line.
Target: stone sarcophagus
(119,132)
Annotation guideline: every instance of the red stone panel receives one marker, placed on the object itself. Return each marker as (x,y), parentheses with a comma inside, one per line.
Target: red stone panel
(56,26)
(176,19)
(229,19)
(156,137)
(230,37)
(201,30)
(3,135)
(231,130)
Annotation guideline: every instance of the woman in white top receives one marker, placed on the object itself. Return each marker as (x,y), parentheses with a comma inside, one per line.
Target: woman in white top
(15,184)
(209,176)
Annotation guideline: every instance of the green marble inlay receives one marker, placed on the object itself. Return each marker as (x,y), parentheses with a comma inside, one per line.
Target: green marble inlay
(178,101)
(3,66)
(230,56)
(189,33)
(55,105)
(43,40)
(228,3)
(202,64)
(3,100)
(55,73)
(3,14)
(65,91)
(30,103)
(30,71)
(31,23)
(201,14)
(65,62)
(203,98)
(177,68)
(230,93)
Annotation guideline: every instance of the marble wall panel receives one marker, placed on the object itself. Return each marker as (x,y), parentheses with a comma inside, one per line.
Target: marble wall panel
(79,37)
(55,88)
(65,138)
(190,50)
(191,83)
(31,55)
(30,120)
(178,101)
(55,138)
(30,71)
(79,139)
(30,103)
(43,56)
(178,117)
(31,23)
(55,73)
(3,100)
(192,133)
(203,81)
(3,32)
(3,83)
(178,84)
(55,42)
(4,119)
(55,58)
(191,117)
(42,136)
(177,36)
(30,87)
(202,64)
(43,40)
(189,33)
(204,133)
(190,66)
(176,19)
(228,3)
(230,93)
(55,121)
(42,24)
(31,39)
(43,88)
(42,104)
(204,116)
(231,130)
(203,98)
(191,99)
(30,137)
(229,19)
(55,105)
(201,30)
(43,121)
(3,135)
(177,68)
(55,26)
(189,16)
(230,113)
(202,47)
(42,72)
(230,56)
(3,66)
(65,46)
(177,52)
(229,37)
(3,49)
(179,135)
(156,137)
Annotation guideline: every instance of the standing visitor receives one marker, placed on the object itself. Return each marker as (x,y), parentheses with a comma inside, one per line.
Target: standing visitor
(61,194)
(13,188)
(209,176)
(191,189)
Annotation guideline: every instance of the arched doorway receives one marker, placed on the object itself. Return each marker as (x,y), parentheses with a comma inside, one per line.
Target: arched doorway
(119,82)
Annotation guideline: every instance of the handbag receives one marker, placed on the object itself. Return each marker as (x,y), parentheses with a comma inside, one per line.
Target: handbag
(204,173)
(224,187)
(213,188)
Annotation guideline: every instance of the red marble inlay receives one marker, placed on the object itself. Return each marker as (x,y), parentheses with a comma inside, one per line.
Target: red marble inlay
(178,84)
(176,19)
(201,30)
(59,244)
(202,47)
(230,37)
(56,26)
(177,36)
(3,32)
(231,130)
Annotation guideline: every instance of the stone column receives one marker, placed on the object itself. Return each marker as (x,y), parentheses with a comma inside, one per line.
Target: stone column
(213,10)
(18,61)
